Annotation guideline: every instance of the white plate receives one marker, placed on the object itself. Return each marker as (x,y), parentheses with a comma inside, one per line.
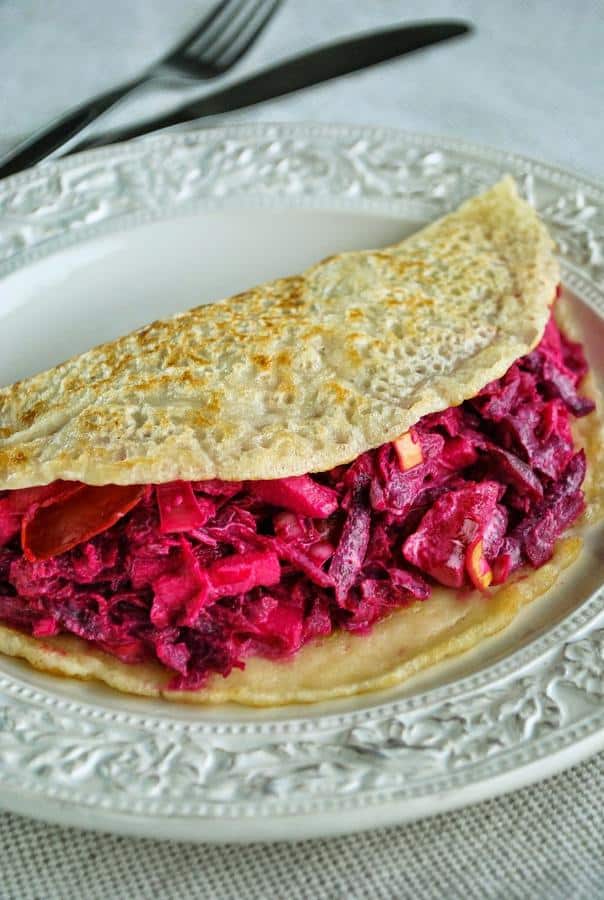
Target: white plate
(91,247)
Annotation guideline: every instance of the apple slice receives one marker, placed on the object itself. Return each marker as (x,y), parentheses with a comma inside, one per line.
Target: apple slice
(408,450)
(480,572)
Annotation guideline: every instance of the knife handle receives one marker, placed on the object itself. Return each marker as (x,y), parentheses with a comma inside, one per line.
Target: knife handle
(48,139)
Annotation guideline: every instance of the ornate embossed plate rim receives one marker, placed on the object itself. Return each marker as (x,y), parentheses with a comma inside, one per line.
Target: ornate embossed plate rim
(296,752)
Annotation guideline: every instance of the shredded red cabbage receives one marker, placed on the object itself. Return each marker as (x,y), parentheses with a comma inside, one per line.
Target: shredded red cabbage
(201,575)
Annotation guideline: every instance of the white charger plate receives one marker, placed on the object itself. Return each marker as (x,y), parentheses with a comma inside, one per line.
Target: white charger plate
(95,245)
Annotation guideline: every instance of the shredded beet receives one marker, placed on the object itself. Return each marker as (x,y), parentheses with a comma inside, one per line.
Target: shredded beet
(455,520)
(200,575)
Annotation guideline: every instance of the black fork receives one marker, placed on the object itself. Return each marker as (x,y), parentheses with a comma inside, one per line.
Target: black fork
(210,49)
(217,43)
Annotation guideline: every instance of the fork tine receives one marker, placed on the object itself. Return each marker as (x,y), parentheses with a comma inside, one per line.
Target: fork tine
(208,24)
(203,45)
(248,33)
(238,24)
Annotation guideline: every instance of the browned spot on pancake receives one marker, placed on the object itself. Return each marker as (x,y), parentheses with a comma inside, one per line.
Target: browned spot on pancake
(213,402)
(199,419)
(261,361)
(15,457)
(355,314)
(315,331)
(236,298)
(144,333)
(187,377)
(106,418)
(354,356)
(292,294)
(339,393)
(284,358)
(30,415)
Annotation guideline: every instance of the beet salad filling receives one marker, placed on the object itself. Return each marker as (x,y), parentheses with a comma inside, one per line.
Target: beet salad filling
(201,575)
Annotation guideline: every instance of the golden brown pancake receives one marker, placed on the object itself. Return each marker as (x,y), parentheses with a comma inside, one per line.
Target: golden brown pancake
(296,375)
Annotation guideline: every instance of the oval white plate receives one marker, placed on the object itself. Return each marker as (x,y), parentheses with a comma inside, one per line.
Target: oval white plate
(95,245)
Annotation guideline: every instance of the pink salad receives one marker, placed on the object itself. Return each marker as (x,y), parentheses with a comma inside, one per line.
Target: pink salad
(201,575)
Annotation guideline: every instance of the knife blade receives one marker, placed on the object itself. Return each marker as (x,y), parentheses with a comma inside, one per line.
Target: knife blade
(313,67)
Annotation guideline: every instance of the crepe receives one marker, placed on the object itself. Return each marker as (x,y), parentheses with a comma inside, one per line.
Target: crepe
(342,665)
(380,339)
(300,374)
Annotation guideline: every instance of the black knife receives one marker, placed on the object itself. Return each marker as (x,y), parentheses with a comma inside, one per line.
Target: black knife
(315,66)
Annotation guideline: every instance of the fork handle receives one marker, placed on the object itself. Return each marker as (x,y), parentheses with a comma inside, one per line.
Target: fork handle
(43,142)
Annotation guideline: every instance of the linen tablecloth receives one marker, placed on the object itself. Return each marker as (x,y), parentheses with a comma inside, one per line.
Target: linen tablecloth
(542,843)
(529,80)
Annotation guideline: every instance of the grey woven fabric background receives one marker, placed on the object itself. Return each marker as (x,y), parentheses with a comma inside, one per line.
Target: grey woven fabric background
(529,80)
(545,841)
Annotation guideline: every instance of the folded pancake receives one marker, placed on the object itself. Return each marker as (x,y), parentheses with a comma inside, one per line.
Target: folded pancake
(160,528)
(300,374)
